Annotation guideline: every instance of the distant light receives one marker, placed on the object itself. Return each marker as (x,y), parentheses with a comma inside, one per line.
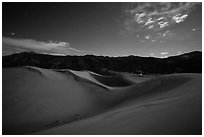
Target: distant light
(193,29)
(13,33)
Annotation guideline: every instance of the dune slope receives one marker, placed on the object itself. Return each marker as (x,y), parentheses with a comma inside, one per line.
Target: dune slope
(41,101)
(36,98)
(177,111)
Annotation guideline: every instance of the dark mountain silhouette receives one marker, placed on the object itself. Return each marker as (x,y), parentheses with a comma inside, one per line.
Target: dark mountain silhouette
(185,63)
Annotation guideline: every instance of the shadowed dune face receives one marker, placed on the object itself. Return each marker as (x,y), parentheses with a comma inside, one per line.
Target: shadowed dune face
(107,82)
(36,99)
(113,81)
(147,88)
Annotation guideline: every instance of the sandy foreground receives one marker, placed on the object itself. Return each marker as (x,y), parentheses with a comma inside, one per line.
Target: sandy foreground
(42,101)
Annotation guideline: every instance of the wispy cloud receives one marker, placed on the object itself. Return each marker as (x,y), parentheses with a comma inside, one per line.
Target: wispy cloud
(157,14)
(159,36)
(179,18)
(166,34)
(12,45)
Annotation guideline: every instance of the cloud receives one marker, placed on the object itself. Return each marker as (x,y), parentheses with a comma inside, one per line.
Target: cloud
(149,21)
(151,27)
(163,24)
(161,18)
(157,14)
(179,18)
(147,37)
(139,18)
(163,35)
(13,45)
(164,53)
(167,33)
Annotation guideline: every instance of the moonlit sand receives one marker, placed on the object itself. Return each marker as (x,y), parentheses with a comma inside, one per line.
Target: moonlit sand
(43,101)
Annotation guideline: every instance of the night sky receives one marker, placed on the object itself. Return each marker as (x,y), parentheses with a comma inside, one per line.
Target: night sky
(113,29)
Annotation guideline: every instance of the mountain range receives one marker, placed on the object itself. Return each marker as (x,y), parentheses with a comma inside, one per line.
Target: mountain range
(185,63)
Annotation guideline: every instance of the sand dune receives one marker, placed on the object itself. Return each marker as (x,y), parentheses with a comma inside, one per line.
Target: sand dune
(41,101)
(109,82)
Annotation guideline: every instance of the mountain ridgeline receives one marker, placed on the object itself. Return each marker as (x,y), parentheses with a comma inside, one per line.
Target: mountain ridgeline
(185,63)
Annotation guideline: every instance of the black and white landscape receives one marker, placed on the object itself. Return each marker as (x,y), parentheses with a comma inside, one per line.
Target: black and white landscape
(102,68)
